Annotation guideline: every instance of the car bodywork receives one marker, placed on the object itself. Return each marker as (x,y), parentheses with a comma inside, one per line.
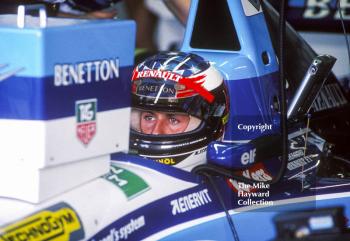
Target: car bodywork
(142,199)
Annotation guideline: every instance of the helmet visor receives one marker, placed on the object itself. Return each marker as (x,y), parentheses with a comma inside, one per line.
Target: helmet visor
(152,122)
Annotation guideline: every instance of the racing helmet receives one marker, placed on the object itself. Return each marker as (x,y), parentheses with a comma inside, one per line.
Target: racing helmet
(179,105)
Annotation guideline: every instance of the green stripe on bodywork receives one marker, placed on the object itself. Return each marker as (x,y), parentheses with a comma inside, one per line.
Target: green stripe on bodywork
(130,183)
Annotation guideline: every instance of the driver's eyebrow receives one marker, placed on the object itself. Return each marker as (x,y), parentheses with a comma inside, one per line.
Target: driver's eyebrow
(172,114)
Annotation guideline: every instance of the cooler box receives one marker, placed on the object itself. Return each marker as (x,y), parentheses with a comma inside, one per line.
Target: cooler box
(64,90)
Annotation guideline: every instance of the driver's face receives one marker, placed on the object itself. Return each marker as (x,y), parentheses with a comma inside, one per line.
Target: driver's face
(159,123)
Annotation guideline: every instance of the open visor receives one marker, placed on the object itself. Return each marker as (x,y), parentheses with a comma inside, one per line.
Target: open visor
(152,122)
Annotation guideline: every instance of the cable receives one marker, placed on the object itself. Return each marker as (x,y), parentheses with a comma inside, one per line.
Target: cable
(228,217)
(220,171)
(305,148)
(342,159)
(344,29)
(284,128)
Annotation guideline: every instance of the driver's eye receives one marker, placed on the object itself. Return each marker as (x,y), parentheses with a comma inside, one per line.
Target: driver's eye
(149,117)
(173,120)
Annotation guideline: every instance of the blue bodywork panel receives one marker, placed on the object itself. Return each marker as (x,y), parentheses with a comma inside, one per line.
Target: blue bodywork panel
(249,67)
(252,84)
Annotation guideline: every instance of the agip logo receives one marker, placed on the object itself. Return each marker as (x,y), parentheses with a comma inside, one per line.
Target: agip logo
(85,111)
(58,222)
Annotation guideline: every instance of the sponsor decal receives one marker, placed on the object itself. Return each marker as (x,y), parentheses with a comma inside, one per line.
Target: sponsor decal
(149,219)
(9,73)
(316,9)
(187,86)
(316,15)
(190,202)
(85,112)
(256,172)
(154,88)
(200,151)
(330,96)
(123,233)
(248,157)
(173,160)
(300,162)
(58,222)
(167,161)
(130,183)
(295,154)
(156,74)
(85,72)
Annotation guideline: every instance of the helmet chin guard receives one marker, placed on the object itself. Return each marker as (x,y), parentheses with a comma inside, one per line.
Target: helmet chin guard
(179,106)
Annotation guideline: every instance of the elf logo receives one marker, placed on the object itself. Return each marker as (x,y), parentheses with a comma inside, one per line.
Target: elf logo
(9,73)
(248,157)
